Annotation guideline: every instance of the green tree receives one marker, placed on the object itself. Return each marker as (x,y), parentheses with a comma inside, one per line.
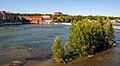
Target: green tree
(57,50)
(86,38)
(109,31)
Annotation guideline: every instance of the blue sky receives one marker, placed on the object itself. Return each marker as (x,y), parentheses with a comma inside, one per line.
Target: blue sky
(73,7)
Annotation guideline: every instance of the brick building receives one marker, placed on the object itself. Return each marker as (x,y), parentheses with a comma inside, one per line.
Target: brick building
(33,19)
(8,16)
(46,19)
(38,19)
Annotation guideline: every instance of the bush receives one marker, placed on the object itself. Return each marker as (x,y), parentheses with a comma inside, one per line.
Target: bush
(85,39)
(57,50)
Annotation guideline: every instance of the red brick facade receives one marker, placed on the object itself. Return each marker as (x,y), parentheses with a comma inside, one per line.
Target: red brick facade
(34,19)
(37,19)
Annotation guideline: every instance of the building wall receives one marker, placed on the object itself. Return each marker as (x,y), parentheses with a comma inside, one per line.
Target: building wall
(57,13)
(3,15)
(12,17)
(45,16)
(33,19)
(0,16)
(8,16)
(47,19)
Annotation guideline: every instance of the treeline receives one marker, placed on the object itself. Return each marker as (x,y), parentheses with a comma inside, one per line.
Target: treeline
(86,38)
(69,18)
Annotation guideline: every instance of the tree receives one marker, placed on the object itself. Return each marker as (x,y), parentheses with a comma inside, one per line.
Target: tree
(72,39)
(57,50)
(109,33)
(86,38)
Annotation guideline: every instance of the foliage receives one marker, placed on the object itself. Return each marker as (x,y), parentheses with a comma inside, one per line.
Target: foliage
(87,37)
(69,18)
(57,50)
(108,27)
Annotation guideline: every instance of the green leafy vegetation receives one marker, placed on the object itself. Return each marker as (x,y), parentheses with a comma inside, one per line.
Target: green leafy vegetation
(57,50)
(86,38)
(68,18)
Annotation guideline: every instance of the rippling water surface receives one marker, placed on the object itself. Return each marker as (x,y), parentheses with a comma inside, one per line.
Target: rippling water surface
(18,42)
(24,41)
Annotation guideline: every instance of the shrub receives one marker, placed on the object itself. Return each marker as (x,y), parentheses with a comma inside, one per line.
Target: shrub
(57,50)
(85,39)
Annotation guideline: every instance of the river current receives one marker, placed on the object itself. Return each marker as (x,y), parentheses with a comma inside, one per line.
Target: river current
(18,42)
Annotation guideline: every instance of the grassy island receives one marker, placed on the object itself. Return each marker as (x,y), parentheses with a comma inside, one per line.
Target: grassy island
(86,38)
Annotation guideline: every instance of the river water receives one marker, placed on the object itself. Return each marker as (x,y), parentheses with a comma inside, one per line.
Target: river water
(18,42)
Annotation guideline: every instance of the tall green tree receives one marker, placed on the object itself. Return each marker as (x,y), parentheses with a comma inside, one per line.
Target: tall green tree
(109,31)
(86,38)
(57,50)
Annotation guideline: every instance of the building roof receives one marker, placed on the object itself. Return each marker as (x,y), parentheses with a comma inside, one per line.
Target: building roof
(31,16)
(47,19)
(36,16)
(57,13)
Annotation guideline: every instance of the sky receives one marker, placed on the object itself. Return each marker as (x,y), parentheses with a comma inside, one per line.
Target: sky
(72,7)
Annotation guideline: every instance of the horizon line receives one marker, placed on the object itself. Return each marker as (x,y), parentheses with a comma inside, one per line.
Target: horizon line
(61,12)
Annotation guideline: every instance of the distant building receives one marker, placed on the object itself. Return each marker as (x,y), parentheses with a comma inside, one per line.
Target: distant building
(4,14)
(47,20)
(33,19)
(38,19)
(45,16)
(57,13)
(1,16)
(8,16)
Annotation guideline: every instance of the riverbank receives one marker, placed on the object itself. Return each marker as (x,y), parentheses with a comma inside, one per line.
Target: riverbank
(110,57)
(106,58)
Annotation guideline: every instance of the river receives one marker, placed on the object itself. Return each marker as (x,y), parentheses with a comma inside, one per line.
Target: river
(18,42)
